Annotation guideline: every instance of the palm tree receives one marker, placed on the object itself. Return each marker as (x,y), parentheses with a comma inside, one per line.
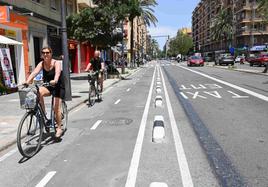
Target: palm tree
(263,9)
(221,25)
(140,9)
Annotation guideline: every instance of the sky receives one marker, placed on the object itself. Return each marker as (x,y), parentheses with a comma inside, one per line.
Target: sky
(172,15)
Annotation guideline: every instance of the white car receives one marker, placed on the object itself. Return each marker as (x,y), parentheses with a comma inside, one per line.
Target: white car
(239,59)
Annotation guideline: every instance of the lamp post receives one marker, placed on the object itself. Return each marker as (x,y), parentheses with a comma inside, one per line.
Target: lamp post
(66,73)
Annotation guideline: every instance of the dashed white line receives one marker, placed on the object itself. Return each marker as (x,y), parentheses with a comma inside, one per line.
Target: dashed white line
(46,179)
(116,102)
(181,157)
(133,169)
(96,125)
(128,89)
(8,154)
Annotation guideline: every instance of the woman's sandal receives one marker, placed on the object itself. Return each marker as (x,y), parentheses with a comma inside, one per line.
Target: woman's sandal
(59,133)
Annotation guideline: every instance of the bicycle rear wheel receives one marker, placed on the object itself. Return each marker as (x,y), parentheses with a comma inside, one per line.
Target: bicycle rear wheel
(64,116)
(29,135)
(91,95)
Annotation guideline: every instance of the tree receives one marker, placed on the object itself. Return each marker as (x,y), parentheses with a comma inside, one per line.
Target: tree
(97,25)
(181,44)
(143,10)
(153,48)
(263,9)
(221,25)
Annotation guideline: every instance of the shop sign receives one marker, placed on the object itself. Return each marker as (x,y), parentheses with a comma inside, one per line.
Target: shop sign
(4,14)
(10,33)
(7,69)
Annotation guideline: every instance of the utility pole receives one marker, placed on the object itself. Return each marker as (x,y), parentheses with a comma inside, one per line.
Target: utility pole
(66,72)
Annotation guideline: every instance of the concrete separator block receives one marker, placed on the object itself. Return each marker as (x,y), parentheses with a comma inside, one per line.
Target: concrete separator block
(158,184)
(158,129)
(158,101)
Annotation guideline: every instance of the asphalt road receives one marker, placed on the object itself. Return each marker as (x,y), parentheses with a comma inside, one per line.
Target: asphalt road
(215,125)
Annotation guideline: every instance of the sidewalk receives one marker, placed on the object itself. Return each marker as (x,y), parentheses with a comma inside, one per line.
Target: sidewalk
(11,113)
(242,68)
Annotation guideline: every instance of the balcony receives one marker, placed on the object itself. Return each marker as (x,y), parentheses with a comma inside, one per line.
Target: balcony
(84,3)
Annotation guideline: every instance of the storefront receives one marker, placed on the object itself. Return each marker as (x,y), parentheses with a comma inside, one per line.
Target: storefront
(15,27)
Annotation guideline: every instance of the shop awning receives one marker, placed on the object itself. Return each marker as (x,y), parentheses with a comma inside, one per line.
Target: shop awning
(8,41)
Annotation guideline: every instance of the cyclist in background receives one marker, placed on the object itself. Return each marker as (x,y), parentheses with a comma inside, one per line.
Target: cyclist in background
(51,74)
(97,65)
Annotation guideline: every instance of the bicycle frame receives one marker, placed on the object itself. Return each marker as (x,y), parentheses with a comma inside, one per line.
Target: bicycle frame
(39,109)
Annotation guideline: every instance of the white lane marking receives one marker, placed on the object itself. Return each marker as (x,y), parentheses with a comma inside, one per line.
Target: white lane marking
(128,89)
(236,96)
(116,102)
(183,164)
(133,169)
(134,83)
(260,96)
(5,156)
(158,184)
(46,179)
(96,125)
(13,100)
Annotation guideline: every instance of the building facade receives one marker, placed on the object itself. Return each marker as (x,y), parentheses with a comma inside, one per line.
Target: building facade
(248,27)
(35,23)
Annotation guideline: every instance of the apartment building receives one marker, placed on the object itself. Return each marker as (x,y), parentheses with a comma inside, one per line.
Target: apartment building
(35,23)
(249,29)
(202,18)
(140,37)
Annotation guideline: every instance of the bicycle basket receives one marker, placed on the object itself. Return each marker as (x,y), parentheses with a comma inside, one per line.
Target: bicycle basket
(28,97)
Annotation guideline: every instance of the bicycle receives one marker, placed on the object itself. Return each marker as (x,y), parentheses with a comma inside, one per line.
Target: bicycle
(31,127)
(94,91)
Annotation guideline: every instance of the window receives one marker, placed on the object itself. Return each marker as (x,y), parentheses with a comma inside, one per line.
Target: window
(53,4)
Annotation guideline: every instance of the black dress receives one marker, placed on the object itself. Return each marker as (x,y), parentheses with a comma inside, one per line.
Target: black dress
(59,87)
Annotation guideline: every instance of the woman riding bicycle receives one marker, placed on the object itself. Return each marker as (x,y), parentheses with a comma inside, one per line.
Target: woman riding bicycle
(52,74)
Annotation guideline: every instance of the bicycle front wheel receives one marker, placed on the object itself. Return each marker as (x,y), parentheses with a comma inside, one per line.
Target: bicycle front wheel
(91,95)
(29,135)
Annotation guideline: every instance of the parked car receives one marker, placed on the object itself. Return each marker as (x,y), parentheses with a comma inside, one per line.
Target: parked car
(195,61)
(224,58)
(240,59)
(259,60)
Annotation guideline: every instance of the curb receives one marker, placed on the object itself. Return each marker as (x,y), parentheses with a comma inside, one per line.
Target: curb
(240,70)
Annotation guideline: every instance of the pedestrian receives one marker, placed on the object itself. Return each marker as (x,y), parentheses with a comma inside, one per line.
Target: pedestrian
(51,73)
(266,67)
(96,64)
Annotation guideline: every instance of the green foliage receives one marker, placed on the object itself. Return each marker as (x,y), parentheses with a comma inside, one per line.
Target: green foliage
(221,26)
(181,44)
(154,48)
(263,9)
(96,25)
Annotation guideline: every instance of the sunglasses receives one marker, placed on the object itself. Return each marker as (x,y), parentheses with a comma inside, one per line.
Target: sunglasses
(45,53)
